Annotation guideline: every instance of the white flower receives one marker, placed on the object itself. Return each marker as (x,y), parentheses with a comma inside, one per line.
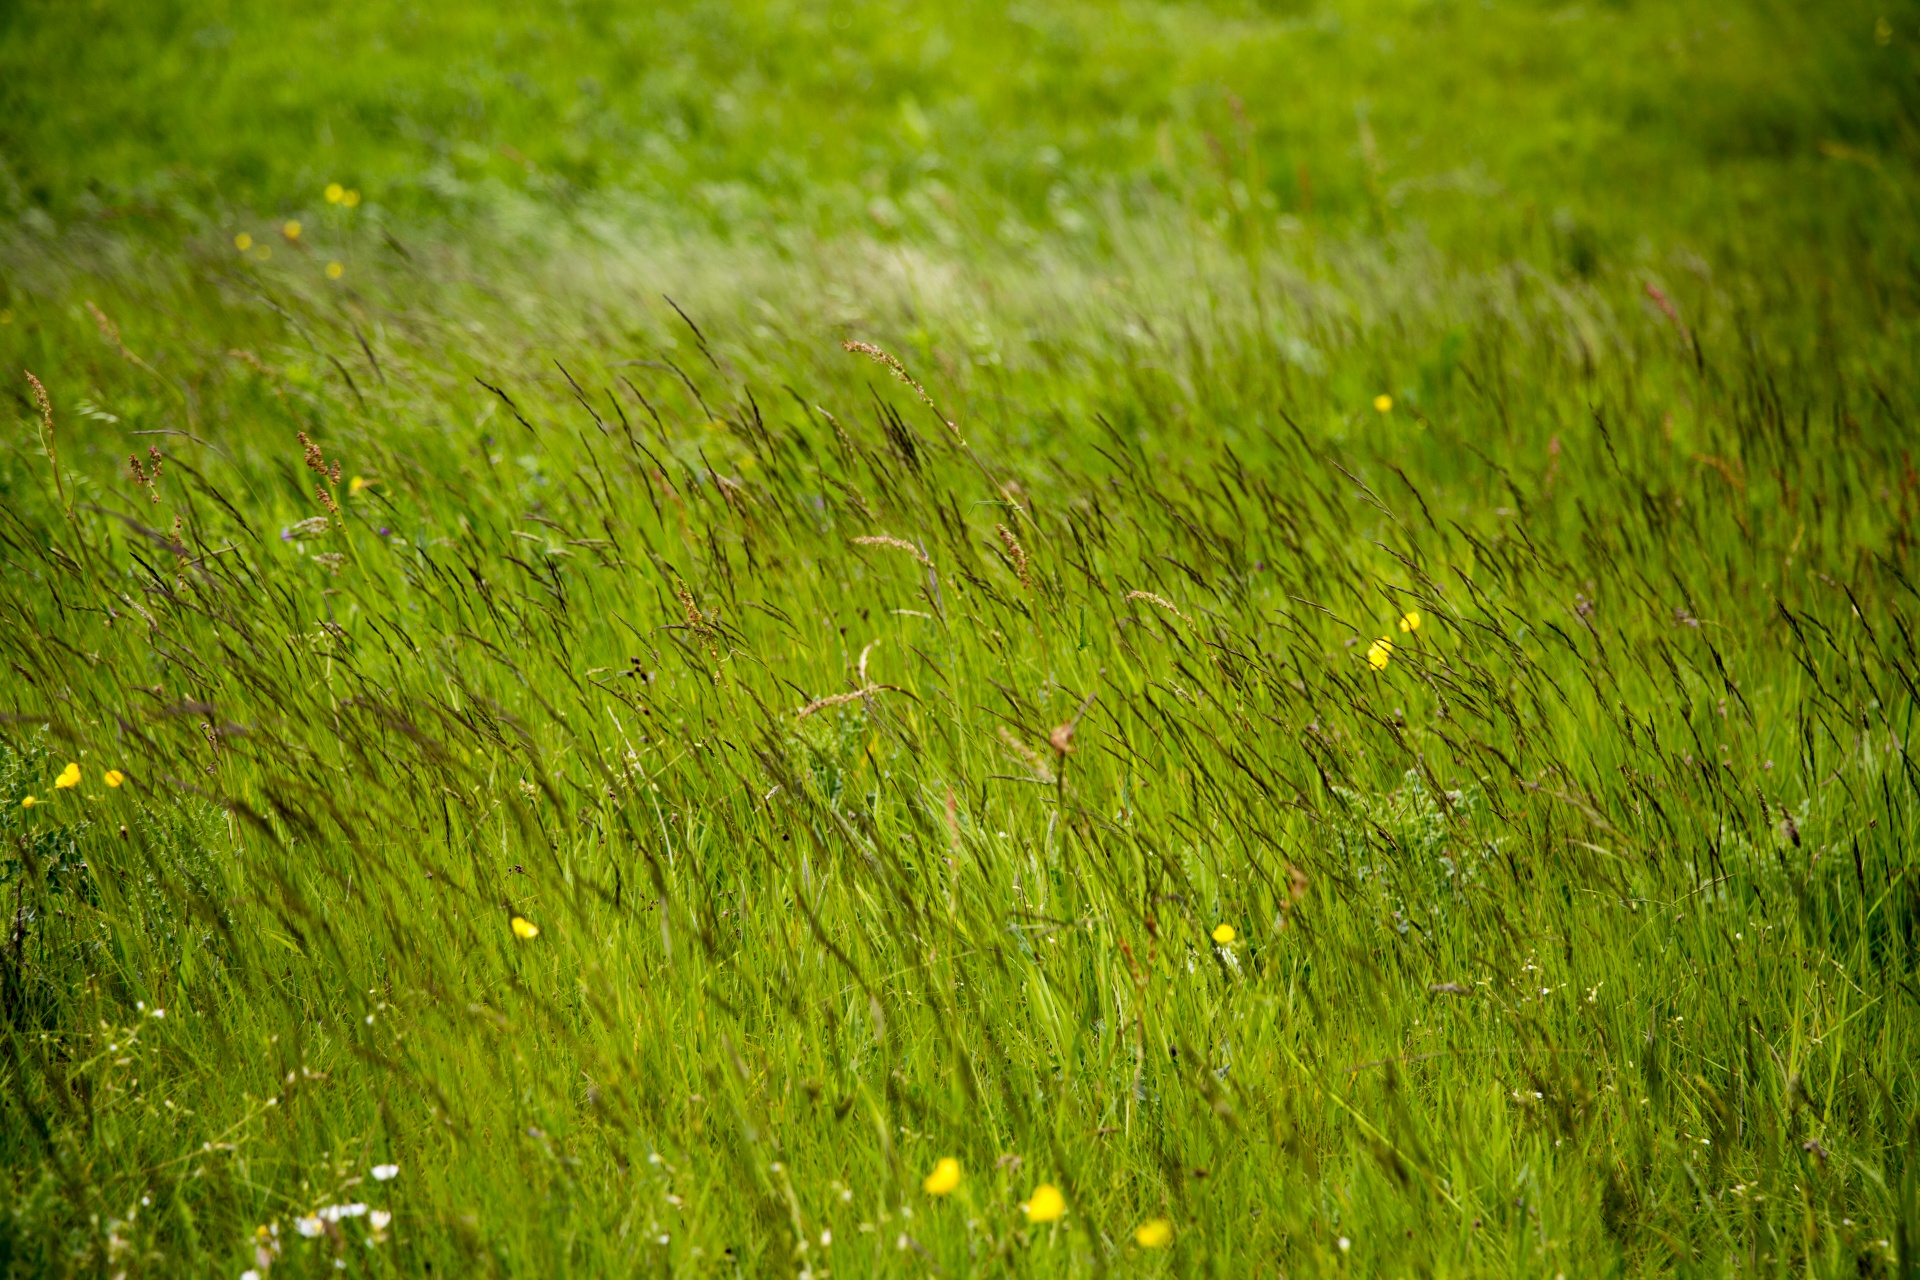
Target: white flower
(385,1172)
(1345,1244)
(379,1218)
(335,1212)
(249,1274)
(309,1227)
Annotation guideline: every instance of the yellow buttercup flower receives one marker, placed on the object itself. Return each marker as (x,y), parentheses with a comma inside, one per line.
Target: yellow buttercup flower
(335,271)
(113,777)
(69,777)
(1223,934)
(1154,1233)
(243,242)
(290,229)
(1046,1204)
(358,483)
(944,1178)
(1383,403)
(525,928)
(28,803)
(1379,653)
(335,193)
(350,199)
(1409,621)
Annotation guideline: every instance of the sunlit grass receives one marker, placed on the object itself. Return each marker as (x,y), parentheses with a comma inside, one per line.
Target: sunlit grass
(1204,737)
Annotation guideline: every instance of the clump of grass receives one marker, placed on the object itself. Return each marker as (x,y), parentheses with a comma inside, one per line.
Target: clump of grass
(473,876)
(1582,921)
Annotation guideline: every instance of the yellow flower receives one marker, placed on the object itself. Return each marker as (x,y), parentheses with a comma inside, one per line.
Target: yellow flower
(1154,1233)
(290,229)
(525,928)
(350,199)
(1223,934)
(1409,621)
(358,483)
(264,252)
(1383,403)
(69,777)
(243,242)
(335,193)
(335,271)
(1379,653)
(1046,1204)
(944,1178)
(28,803)
(113,777)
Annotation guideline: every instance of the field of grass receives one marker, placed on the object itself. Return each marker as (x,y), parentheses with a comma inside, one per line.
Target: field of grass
(1285,631)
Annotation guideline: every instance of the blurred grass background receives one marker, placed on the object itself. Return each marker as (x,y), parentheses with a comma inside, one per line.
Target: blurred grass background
(1578,936)
(1483,122)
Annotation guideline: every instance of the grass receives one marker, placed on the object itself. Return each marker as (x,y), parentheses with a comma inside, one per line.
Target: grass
(1371,732)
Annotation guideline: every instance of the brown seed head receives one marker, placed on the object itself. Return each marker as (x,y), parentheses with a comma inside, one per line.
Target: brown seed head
(1017,554)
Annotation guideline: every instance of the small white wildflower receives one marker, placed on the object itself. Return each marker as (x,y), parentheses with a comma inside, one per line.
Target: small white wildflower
(249,1274)
(379,1218)
(385,1172)
(826,1236)
(1345,1244)
(309,1227)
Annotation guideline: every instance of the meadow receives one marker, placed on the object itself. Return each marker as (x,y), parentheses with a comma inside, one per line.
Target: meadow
(1049,639)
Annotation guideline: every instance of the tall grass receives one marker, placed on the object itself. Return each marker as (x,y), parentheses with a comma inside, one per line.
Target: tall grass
(878,759)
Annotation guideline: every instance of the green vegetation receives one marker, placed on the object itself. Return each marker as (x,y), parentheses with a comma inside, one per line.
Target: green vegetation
(1284,629)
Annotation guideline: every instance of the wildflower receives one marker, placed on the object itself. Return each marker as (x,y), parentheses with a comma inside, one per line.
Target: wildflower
(290,229)
(1223,934)
(1409,621)
(113,777)
(1046,1204)
(28,803)
(335,193)
(1154,1233)
(243,242)
(380,1218)
(944,1178)
(351,198)
(358,483)
(335,271)
(1344,1243)
(249,1274)
(1383,403)
(525,928)
(385,1172)
(309,1227)
(335,1212)
(69,777)
(1379,653)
